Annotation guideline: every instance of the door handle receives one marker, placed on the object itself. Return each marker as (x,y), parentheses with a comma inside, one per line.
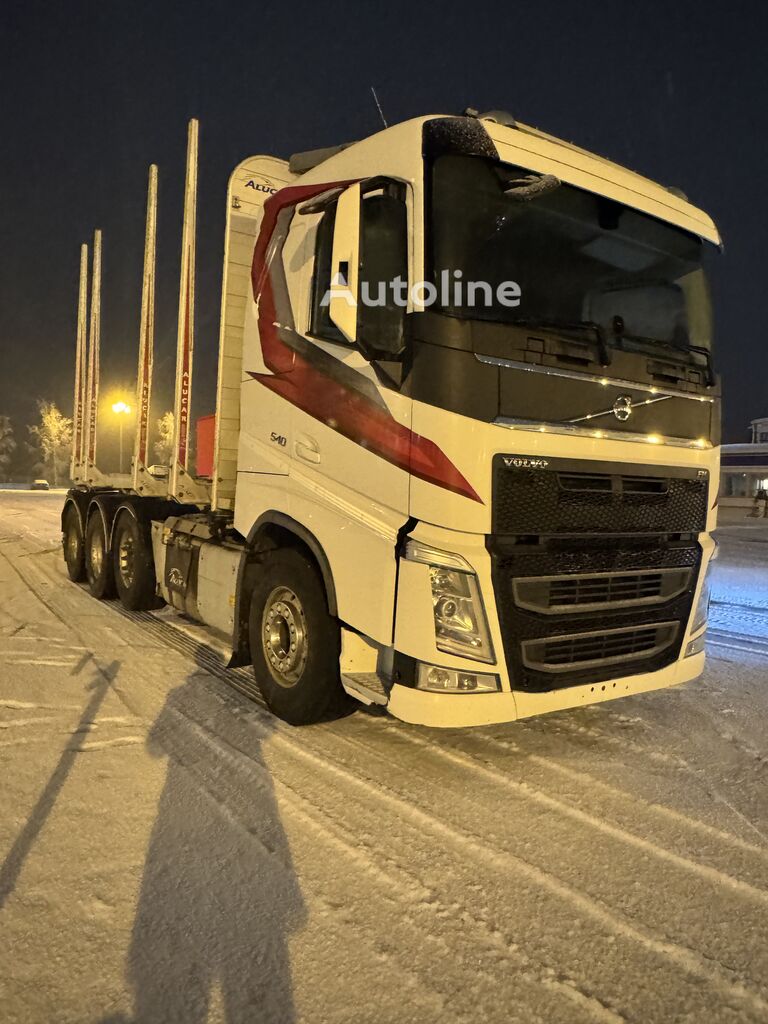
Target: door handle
(307,448)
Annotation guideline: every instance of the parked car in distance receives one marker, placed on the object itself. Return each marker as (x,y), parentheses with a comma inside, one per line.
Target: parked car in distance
(39,485)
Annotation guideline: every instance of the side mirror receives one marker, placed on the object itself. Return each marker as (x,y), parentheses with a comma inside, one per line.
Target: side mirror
(383,274)
(369,267)
(345,263)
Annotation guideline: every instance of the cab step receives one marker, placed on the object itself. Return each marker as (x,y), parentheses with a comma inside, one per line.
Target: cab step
(367,687)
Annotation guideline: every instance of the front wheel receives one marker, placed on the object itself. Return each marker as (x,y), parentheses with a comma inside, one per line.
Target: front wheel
(98,565)
(295,641)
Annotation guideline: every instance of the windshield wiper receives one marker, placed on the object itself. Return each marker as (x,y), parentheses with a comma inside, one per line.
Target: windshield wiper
(570,325)
(531,186)
(709,373)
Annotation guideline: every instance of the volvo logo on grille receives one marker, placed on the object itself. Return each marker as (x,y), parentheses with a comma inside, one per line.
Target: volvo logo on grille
(521,462)
(622,408)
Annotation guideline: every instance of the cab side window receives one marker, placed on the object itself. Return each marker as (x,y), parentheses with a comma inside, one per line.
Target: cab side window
(383,270)
(321,324)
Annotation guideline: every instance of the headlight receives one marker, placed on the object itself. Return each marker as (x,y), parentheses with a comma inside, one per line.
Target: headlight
(461,626)
(452,680)
(702,605)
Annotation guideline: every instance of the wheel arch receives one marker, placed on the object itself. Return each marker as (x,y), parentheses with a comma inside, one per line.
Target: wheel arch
(271,531)
(143,510)
(103,506)
(123,509)
(79,501)
(112,505)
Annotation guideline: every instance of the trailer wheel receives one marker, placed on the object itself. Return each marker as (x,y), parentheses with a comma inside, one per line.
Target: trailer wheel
(295,642)
(74,548)
(134,565)
(98,564)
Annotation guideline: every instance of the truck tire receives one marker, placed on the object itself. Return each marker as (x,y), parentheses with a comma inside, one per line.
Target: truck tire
(295,642)
(74,547)
(134,565)
(98,564)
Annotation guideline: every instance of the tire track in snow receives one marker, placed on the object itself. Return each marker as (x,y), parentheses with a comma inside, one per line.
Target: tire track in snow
(715,975)
(45,662)
(723,980)
(586,779)
(741,973)
(119,741)
(52,641)
(624,742)
(711,874)
(23,741)
(673,760)
(536,970)
(337,836)
(755,646)
(14,723)
(24,705)
(228,752)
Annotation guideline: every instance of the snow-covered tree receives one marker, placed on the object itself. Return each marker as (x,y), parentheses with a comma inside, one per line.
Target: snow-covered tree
(7,445)
(54,437)
(164,445)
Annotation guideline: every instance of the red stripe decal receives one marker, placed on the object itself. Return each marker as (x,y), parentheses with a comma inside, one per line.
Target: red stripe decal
(144,383)
(352,413)
(184,397)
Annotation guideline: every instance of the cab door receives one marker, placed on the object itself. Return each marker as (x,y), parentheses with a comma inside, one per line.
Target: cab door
(351,426)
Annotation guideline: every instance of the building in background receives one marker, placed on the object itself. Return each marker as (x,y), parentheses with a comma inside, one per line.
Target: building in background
(759,431)
(744,467)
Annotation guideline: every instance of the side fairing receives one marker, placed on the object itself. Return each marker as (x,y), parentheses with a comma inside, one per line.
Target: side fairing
(251,184)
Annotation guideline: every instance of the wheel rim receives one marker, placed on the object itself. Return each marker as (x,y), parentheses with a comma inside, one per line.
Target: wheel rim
(284,636)
(96,554)
(72,544)
(125,560)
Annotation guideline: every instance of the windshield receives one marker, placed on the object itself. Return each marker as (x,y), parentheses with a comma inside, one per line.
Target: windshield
(578,260)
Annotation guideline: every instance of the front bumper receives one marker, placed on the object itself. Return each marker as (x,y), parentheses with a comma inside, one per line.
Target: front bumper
(415,639)
(446,711)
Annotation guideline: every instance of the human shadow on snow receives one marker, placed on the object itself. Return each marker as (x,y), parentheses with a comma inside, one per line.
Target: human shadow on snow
(219,895)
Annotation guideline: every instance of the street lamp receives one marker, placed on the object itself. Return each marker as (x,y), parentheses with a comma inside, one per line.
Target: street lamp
(121,409)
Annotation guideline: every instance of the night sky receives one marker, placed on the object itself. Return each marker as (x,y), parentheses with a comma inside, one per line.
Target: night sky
(92,93)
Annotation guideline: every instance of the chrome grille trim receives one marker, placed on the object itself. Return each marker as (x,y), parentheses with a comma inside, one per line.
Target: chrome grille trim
(615,589)
(601,434)
(595,649)
(553,371)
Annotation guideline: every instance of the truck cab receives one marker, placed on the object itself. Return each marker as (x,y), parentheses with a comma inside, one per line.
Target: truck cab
(476,370)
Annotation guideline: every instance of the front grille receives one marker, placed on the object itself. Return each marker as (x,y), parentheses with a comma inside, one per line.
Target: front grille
(552,594)
(585,609)
(599,648)
(566,496)
(577,485)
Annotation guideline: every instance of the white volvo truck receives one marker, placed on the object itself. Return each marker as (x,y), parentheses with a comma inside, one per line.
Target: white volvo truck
(467,508)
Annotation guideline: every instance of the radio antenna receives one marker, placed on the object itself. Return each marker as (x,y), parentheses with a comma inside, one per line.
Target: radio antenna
(378,107)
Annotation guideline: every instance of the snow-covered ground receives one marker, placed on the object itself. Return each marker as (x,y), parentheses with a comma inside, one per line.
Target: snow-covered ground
(740,597)
(171,853)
